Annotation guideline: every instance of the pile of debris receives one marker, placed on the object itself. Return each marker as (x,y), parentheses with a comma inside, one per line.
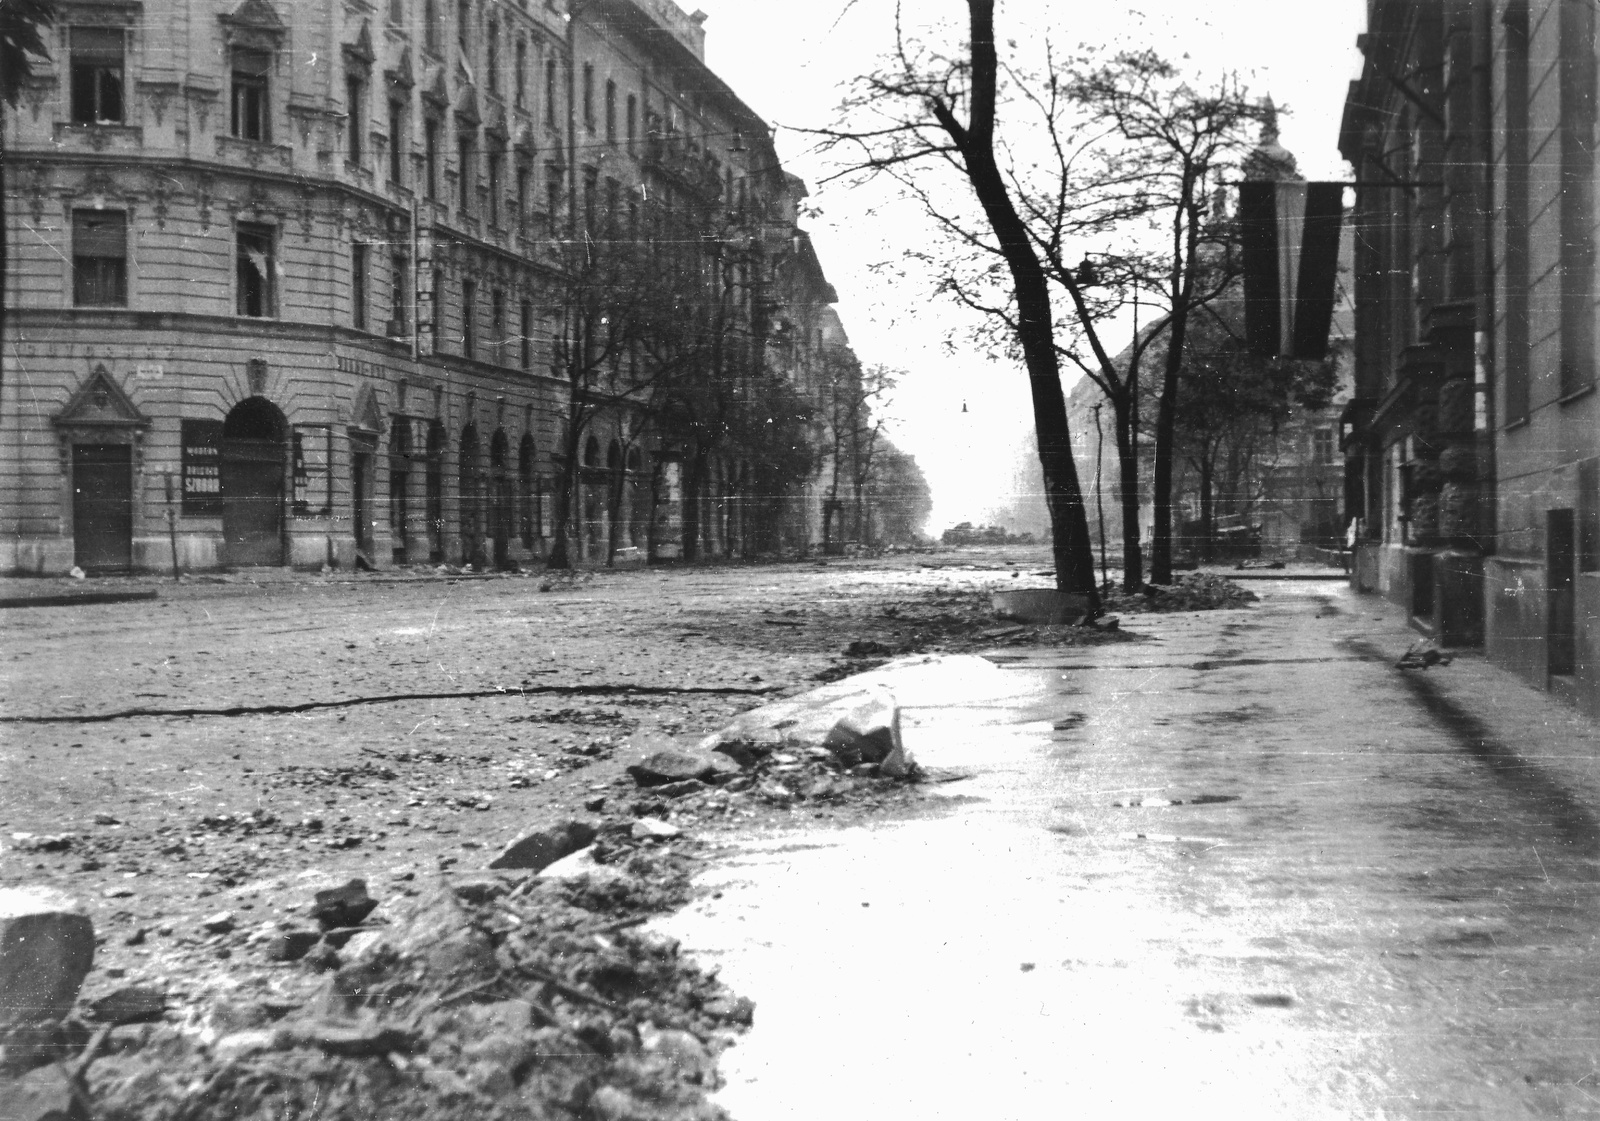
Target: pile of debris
(489,995)
(1193,591)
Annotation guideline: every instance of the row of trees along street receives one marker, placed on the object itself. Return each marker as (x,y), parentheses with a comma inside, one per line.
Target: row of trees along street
(669,325)
(1068,192)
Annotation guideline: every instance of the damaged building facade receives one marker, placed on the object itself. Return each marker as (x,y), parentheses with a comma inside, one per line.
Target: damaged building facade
(291,283)
(1473,440)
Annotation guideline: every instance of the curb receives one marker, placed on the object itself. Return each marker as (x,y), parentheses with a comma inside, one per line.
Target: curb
(72,599)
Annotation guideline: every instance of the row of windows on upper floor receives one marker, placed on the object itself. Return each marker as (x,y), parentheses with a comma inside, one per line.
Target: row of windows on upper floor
(97,95)
(97,79)
(100,279)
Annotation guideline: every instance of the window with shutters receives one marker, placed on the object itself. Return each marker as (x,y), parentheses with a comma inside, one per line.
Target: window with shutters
(99,258)
(97,70)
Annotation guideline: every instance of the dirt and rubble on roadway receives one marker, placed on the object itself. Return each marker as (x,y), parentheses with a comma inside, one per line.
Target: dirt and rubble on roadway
(360,846)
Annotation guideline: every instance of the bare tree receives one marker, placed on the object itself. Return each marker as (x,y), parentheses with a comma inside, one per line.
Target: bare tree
(928,111)
(1113,154)
(1148,176)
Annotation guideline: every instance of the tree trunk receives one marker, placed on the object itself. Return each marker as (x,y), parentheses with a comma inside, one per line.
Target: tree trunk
(650,554)
(1128,478)
(566,481)
(692,481)
(1167,406)
(1069,522)
(614,504)
(1208,514)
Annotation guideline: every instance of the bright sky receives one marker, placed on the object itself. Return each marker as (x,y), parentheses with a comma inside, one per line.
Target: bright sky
(791,63)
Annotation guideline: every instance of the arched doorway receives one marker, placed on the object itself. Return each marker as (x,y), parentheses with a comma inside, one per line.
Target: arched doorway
(469,479)
(254,453)
(499,499)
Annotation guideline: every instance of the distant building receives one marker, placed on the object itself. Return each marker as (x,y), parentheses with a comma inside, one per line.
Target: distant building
(290,274)
(1474,436)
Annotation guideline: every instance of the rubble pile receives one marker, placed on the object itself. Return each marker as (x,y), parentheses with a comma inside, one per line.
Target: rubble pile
(485,995)
(1192,591)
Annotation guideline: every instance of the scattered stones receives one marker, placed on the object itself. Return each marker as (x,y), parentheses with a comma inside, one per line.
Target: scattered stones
(132,1004)
(540,849)
(653,829)
(345,905)
(46,949)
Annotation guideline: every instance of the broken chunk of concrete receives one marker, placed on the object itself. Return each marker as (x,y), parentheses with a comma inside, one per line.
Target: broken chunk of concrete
(1039,605)
(46,949)
(869,732)
(680,764)
(345,905)
(538,850)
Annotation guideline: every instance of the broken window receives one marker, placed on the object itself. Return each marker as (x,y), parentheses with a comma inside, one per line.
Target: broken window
(313,476)
(254,269)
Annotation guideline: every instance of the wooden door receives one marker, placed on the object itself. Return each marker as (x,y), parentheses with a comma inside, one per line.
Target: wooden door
(102,507)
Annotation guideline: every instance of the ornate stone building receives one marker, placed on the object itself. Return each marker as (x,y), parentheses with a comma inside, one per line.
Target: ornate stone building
(1474,437)
(289,282)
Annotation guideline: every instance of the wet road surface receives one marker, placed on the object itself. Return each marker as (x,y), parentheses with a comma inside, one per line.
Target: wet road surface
(1247,870)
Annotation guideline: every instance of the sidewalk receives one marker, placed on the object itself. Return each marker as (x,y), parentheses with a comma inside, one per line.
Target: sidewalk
(1248,869)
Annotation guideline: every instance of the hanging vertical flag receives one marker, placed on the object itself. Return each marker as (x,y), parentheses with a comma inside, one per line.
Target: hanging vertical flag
(1289,237)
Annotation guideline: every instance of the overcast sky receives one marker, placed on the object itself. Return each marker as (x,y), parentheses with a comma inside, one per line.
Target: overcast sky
(790,63)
